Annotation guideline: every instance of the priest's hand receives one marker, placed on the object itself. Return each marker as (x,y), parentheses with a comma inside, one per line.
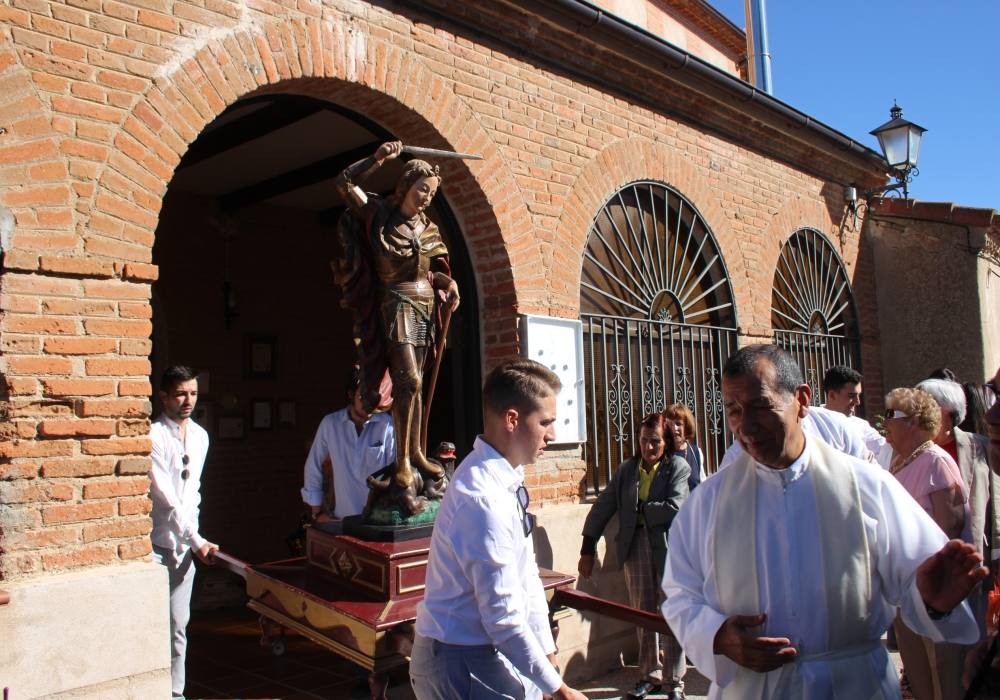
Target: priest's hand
(762,654)
(586,565)
(946,578)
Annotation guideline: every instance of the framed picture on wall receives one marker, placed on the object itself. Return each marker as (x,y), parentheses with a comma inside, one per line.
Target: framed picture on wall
(202,415)
(259,356)
(262,414)
(230,428)
(286,413)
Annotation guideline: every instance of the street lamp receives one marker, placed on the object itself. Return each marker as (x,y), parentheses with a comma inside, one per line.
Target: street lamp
(900,143)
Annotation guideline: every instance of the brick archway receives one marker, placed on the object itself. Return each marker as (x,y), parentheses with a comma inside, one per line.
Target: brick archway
(331,60)
(793,215)
(636,159)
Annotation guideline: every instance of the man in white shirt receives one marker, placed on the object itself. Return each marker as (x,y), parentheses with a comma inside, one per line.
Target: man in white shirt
(358,444)
(483,629)
(179,449)
(842,389)
(784,570)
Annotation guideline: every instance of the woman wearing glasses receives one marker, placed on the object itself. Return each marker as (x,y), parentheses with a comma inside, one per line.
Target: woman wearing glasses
(930,475)
(646,492)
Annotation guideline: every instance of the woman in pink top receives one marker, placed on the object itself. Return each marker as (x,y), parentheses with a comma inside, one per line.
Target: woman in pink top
(931,476)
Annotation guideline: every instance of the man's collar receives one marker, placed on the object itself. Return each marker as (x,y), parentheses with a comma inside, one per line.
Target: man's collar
(510,477)
(174,426)
(793,471)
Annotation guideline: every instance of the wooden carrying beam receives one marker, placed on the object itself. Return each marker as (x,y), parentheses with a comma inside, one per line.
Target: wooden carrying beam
(226,561)
(584,602)
(4,597)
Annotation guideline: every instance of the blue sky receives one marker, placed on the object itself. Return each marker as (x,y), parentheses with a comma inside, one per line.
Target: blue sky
(844,61)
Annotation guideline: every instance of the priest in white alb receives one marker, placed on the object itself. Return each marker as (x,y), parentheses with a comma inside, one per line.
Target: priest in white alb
(784,569)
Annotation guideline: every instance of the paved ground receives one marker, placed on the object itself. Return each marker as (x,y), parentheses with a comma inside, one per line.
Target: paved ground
(225,660)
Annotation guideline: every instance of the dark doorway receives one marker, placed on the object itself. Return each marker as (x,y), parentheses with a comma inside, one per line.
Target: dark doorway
(246,235)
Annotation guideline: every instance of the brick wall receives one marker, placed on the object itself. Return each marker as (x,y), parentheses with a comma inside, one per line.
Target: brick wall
(100,99)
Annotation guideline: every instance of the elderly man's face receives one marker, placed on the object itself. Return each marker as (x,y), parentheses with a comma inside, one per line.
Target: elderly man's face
(766,421)
(993,428)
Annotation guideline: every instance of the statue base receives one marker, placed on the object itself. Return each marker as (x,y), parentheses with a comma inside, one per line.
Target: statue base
(355,526)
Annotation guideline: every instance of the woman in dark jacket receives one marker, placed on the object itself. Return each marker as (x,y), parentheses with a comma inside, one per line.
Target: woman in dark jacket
(646,492)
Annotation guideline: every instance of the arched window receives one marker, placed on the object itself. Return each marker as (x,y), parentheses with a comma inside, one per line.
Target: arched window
(658,322)
(812,307)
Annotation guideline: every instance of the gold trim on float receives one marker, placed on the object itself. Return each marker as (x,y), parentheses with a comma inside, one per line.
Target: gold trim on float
(409,589)
(374,665)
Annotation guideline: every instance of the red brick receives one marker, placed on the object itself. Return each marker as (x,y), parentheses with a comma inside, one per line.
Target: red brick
(39,365)
(80,346)
(118,250)
(40,284)
(77,387)
(135,527)
(76,266)
(133,428)
(113,289)
(115,408)
(118,368)
(141,272)
(134,465)
(31,448)
(76,428)
(21,386)
(49,537)
(78,307)
(34,324)
(77,512)
(20,260)
(94,555)
(18,470)
(122,446)
(77,467)
(135,346)
(135,310)
(119,329)
(134,506)
(135,388)
(135,549)
(118,487)
(40,196)
(86,109)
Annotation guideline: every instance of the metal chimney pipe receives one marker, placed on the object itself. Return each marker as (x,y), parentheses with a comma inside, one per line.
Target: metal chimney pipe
(758,52)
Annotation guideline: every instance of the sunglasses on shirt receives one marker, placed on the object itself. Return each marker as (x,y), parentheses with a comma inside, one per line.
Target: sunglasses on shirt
(527,519)
(185,473)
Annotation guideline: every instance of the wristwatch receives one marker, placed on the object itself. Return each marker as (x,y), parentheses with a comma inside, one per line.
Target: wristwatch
(935,614)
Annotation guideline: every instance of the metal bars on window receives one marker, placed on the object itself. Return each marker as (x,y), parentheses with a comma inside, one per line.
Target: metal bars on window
(658,323)
(812,308)
(634,367)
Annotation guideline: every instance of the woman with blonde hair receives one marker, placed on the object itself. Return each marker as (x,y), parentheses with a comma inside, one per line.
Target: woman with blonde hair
(930,475)
(680,422)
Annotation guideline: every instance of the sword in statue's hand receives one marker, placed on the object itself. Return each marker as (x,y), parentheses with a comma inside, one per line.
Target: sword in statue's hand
(420,152)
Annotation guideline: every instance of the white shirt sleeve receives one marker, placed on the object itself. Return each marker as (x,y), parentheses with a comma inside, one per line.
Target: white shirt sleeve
(686,608)
(488,547)
(908,530)
(165,499)
(312,472)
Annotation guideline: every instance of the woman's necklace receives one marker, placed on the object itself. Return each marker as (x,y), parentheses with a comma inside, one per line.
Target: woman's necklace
(923,447)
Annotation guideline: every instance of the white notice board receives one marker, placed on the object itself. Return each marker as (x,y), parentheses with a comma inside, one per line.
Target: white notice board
(557,343)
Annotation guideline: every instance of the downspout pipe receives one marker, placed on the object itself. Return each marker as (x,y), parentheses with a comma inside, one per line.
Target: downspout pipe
(758,49)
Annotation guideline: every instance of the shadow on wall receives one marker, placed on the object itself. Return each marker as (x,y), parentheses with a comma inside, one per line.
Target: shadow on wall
(607,582)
